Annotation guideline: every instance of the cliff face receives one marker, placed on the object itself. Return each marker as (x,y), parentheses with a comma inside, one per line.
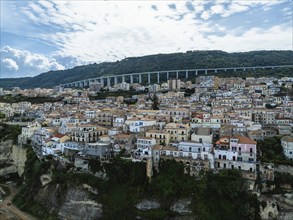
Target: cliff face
(72,203)
(53,190)
(19,157)
(12,158)
(78,205)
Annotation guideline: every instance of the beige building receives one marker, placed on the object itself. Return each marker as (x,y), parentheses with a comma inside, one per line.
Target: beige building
(88,133)
(104,118)
(161,136)
(177,112)
(174,84)
(178,132)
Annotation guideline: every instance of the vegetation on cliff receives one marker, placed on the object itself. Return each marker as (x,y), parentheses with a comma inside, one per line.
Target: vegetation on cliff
(213,196)
(34,100)
(188,60)
(30,185)
(272,151)
(9,132)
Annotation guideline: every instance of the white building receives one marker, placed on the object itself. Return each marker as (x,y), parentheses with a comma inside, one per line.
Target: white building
(28,131)
(138,126)
(144,147)
(196,150)
(287,144)
(202,135)
(235,153)
(123,86)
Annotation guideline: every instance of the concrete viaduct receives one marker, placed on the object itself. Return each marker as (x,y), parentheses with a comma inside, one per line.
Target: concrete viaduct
(159,76)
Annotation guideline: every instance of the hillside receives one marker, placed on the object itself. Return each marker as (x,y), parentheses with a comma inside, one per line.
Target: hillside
(190,59)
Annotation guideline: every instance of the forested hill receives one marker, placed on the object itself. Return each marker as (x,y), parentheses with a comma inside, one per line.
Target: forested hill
(190,59)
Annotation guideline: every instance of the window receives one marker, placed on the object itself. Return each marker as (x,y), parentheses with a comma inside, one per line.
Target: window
(200,140)
(220,157)
(224,157)
(239,168)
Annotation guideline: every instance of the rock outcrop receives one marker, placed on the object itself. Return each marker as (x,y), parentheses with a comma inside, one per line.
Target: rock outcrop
(145,205)
(19,158)
(78,206)
(12,158)
(182,206)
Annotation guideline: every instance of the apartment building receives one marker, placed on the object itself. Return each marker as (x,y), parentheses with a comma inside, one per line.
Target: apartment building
(178,132)
(238,152)
(87,133)
(162,137)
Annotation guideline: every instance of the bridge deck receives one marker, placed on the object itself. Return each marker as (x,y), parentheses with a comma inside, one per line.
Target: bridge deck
(86,82)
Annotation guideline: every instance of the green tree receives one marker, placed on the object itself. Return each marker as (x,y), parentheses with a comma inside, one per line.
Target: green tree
(2,115)
(155,105)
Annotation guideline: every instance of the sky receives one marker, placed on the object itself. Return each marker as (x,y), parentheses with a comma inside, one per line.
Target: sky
(38,36)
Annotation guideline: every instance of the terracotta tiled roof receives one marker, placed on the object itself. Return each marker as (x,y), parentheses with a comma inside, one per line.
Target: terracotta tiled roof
(58,135)
(245,140)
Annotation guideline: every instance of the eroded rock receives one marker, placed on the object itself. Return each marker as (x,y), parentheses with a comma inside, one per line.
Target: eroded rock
(182,206)
(146,204)
(78,206)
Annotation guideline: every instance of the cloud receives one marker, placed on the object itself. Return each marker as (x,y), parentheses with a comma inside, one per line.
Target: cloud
(97,31)
(217,9)
(22,63)
(206,15)
(10,64)
(255,39)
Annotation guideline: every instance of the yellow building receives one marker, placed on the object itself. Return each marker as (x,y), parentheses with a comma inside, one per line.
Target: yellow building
(161,136)
(178,132)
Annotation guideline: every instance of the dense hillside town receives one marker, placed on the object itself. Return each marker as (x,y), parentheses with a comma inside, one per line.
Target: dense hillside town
(210,124)
(217,120)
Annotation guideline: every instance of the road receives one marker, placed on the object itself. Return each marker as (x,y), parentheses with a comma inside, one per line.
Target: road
(12,212)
